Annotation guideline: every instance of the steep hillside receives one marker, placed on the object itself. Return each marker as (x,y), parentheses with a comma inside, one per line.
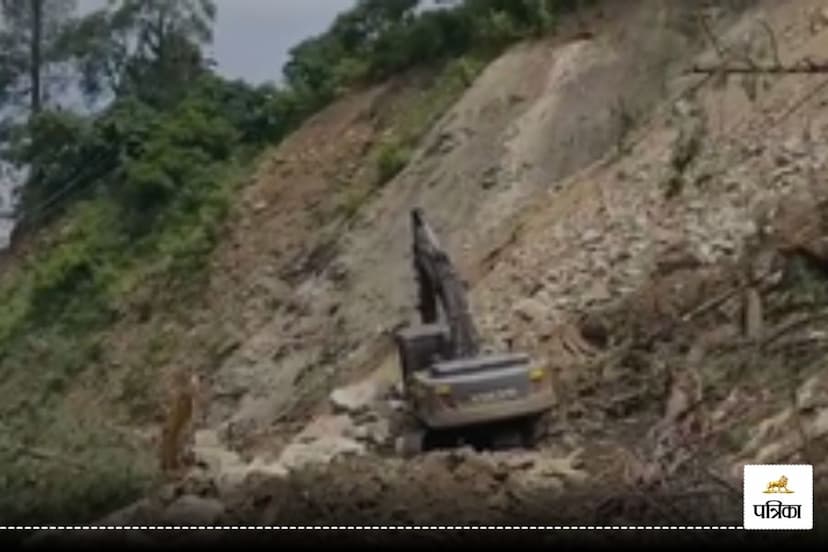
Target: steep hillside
(295,301)
(616,217)
(183,309)
(502,144)
(649,260)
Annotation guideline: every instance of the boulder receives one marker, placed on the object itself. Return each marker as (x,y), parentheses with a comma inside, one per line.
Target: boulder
(378,432)
(324,450)
(271,469)
(518,461)
(326,426)
(211,454)
(532,310)
(355,399)
(232,478)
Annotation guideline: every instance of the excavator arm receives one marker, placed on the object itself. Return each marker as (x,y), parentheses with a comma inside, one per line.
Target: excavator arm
(438,282)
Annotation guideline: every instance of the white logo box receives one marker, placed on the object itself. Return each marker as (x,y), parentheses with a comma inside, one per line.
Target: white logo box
(779,496)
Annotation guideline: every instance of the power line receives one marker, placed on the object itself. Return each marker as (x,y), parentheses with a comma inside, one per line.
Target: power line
(81,180)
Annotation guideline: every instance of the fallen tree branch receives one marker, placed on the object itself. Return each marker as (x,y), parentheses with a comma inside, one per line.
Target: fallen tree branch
(713,303)
(796,106)
(792,326)
(714,41)
(802,68)
(807,341)
(773,43)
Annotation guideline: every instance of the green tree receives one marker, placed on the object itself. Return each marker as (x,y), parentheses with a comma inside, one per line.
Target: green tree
(31,53)
(359,41)
(147,48)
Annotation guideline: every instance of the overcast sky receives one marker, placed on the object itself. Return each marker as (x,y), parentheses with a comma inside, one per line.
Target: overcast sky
(252,37)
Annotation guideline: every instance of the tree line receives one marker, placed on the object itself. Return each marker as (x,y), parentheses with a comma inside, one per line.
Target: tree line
(161,113)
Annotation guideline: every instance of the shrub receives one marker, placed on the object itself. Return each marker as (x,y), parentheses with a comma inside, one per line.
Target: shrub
(392,158)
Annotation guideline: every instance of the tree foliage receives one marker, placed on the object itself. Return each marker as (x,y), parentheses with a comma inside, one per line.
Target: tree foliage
(147,48)
(169,115)
(143,156)
(379,38)
(32,56)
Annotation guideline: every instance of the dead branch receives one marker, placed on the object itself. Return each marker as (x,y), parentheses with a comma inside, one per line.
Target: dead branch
(796,106)
(772,37)
(810,341)
(802,68)
(711,304)
(753,317)
(714,41)
(774,339)
(804,441)
(619,352)
(722,298)
(792,326)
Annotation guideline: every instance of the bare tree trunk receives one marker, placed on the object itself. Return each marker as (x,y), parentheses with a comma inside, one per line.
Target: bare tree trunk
(36,56)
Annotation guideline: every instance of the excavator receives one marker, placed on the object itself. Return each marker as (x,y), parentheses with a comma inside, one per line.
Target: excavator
(459,394)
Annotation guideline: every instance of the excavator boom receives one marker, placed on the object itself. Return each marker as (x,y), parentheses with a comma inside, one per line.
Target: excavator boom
(438,281)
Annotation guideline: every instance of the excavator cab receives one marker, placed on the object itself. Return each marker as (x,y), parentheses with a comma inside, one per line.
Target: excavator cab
(420,346)
(451,386)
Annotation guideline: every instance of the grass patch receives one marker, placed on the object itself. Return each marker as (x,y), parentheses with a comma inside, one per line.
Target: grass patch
(391,159)
(55,468)
(413,121)
(409,124)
